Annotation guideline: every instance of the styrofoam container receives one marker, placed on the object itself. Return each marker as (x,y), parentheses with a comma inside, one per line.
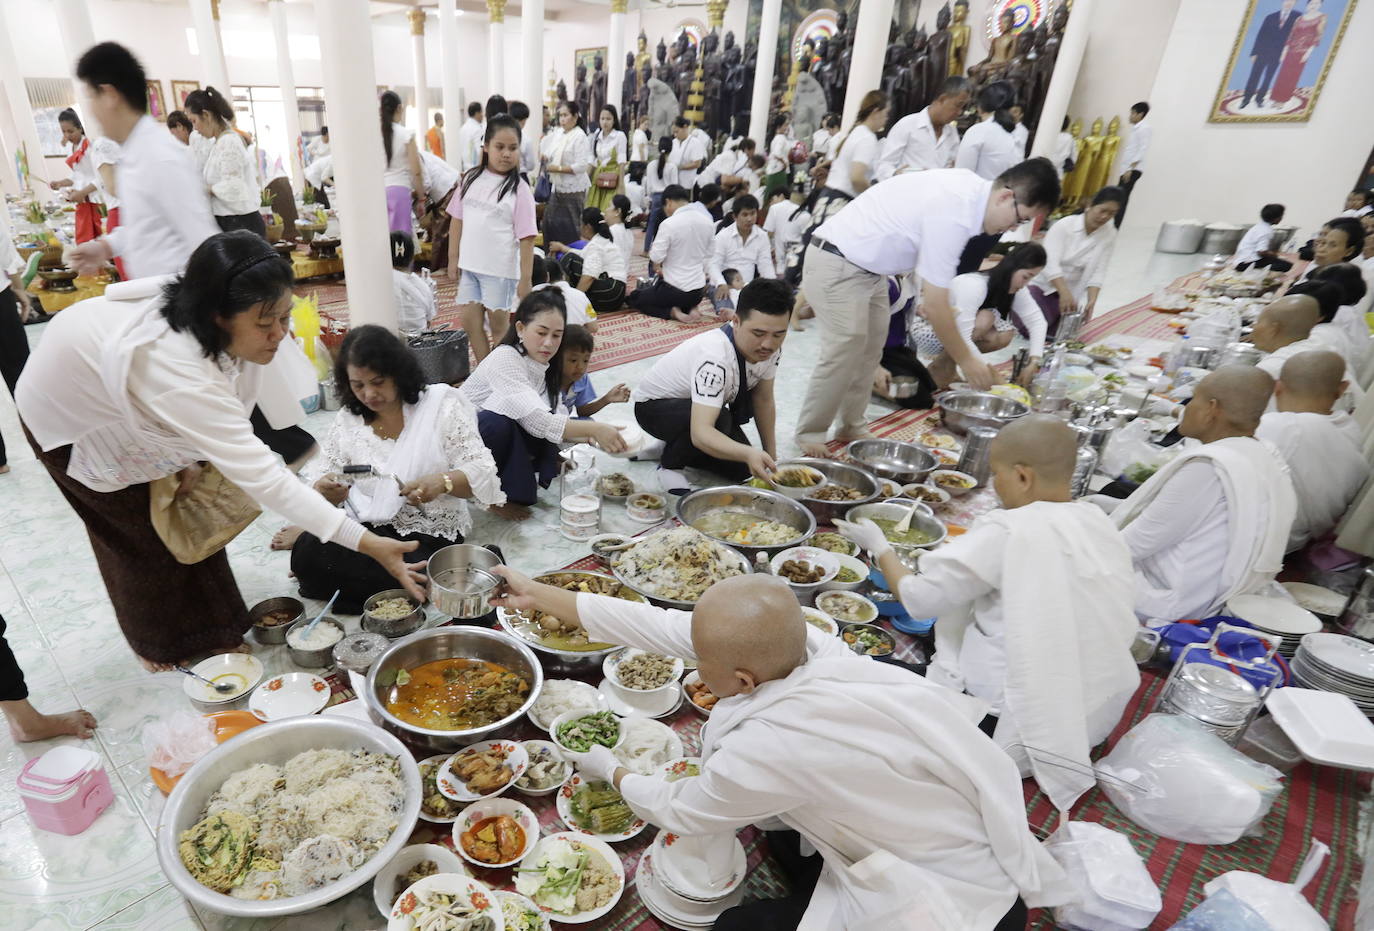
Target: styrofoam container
(1327,728)
(65,789)
(1116,892)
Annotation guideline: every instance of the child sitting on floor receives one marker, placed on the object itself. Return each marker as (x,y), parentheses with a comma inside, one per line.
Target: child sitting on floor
(416,302)
(549,274)
(578,395)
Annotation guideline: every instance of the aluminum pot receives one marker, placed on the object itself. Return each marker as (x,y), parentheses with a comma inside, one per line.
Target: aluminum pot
(838,473)
(903,463)
(276,743)
(275,634)
(396,627)
(963,409)
(768,505)
(461,582)
(319,657)
(908,553)
(1240,354)
(463,642)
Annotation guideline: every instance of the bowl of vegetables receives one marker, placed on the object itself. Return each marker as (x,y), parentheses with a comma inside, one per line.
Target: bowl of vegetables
(579,731)
(795,480)
(435,806)
(926,529)
(847,607)
(835,543)
(567,866)
(868,640)
(521,914)
(852,573)
(547,770)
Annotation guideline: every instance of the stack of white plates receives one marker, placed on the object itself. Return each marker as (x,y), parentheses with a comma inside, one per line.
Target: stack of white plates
(685,911)
(1285,621)
(1337,663)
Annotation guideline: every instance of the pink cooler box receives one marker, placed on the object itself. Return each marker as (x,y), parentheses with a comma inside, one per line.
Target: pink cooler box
(65,789)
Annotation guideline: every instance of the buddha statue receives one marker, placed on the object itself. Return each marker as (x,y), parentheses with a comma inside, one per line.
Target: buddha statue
(1038,80)
(641,55)
(582,88)
(561,90)
(628,92)
(999,53)
(1090,158)
(646,73)
(1071,185)
(598,91)
(919,93)
(1110,145)
(960,35)
(938,49)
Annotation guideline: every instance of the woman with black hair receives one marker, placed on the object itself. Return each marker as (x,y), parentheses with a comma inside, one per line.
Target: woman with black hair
(227,169)
(984,304)
(776,170)
(404,178)
(566,155)
(601,272)
(517,390)
(1077,249)
(92,164)
(989,148)
(610,155)
(657,176)
(180,126)
(148,384)
(424,436)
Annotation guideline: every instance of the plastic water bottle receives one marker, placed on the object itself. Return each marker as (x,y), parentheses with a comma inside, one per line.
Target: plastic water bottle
(1048,390)
(1180,349)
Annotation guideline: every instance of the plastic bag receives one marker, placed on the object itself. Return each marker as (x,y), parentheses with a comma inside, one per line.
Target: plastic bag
(173,744)
(1115,890)
(1172,776)
(1130,453)
(1281,904)
(1224,912)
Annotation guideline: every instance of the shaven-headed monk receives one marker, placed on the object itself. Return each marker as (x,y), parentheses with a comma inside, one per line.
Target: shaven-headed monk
(1284,329)
(1035,609)
(918,816)
(1322,448)
(1212,523)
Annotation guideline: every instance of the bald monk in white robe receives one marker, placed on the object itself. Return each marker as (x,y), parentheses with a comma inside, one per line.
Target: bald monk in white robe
(1284,329)
(1322,448)
(917,814)
(1213,522)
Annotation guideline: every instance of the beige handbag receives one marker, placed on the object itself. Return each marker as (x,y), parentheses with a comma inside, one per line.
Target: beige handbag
(199,524)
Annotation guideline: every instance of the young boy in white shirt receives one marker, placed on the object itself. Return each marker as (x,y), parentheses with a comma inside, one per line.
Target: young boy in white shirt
(1254,251)
(576,390)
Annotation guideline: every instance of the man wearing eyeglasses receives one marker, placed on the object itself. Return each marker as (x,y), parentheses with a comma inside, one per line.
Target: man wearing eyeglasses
(921,221)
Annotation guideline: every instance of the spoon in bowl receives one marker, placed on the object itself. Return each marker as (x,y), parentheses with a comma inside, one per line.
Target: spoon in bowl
(221,687)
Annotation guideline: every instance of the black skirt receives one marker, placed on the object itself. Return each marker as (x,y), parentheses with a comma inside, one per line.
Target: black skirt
(323,568)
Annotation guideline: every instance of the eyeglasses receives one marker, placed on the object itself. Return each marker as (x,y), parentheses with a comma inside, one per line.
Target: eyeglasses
(1016,208)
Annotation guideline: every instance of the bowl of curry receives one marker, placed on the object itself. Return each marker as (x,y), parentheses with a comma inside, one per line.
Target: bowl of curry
(449,687)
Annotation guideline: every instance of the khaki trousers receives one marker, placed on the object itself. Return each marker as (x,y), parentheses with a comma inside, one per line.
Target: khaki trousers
(852,308)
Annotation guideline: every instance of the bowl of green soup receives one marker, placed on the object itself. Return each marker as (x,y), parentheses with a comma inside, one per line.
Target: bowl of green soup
(926,529)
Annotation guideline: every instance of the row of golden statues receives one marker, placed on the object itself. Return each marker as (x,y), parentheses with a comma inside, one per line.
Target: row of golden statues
(1093,158)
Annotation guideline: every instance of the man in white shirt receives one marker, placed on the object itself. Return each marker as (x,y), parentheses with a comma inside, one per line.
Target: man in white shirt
(933,834)
(469,141)
(1322,448)
(928,139)
(1133,159)
(1019,132)
(698,398)
(319,146)
(1213,523)
(1254,250)
(681,250)
(1284,329)
(741,246)
(529,153)
(164,210)
(689,153)
(1043,582)
(727,167)
(919,220)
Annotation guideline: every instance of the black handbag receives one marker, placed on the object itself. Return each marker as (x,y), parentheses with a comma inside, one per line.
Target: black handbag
(442,354)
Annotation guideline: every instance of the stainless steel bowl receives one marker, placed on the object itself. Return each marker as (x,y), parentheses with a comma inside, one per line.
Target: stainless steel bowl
(963,409)
(397,627)
(461,581)
(318,658)
(558,662)
(275,634)
(276,743)
(837,473)
(427,646)
(908,553)
(903,463)
(768,505)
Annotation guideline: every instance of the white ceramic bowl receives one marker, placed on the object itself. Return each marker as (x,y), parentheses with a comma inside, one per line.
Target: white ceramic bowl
(672,745)
(493,808)
(694,679)
(939,441)
(803,491)
(945,458)
(830,602)
(612,862)
(638,507)
(852,563)
(454,788)
(532,747)
(953,490)
(920,491)
(812,555)
(383,887)
(242,669)
(573,716)
(460,886)
(611,667)
(823,622)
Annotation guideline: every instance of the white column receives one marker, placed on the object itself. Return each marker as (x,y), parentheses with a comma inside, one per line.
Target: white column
(350,87)
(866,68)
(8,172)
(20,111)
(532,55)
(763,72)
(453,92)
(1062,82)
(417,45)
(205,17)
(496,51)
(615,66)
(286,77)
(74,24)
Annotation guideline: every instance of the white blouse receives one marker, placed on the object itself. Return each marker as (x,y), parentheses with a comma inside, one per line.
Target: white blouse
(231,176)
(569,149)
(1075,255)
(510,383)
(397,172)
(611,143)
(987,150)
(603,255)
(779,151)
(351,441)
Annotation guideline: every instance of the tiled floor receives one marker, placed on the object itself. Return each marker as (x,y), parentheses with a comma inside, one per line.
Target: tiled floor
(63,631)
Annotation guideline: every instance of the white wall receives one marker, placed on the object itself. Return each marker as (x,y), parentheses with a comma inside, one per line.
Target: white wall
(1226,171)
(1120,64)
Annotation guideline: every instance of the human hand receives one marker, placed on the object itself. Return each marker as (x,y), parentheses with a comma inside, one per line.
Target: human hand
(722,291)
(1088,310)
(28,305)
(1068,304)
(331,490)
(978,374)
(618,395)
(88,258)
(1032,368)
(597,763)
(452,271)
(608,437)
(390,555)
(761,464)
(864,532)
(425,488)
(882,382)
(518,593)
(187,479)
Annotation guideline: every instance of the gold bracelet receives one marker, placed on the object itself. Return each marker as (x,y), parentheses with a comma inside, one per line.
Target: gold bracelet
(448,484)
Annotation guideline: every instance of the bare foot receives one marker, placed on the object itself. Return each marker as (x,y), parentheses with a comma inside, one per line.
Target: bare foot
(4,469)
(511,511)
(286,537)
(815,450)
(29,724)
(849,436)
(152,666)
(680,317)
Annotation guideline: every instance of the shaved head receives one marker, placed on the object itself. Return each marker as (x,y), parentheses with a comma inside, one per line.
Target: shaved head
(1287,320)
(749,623)
(1311,381)
(1241,393)
(1040,442)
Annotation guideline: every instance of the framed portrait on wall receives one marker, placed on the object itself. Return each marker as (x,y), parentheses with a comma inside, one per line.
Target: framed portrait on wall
(1280,60)
(179,91)
(157,104)
(587,56)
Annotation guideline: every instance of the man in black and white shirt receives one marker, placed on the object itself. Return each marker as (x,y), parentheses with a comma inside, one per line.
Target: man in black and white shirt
(698,397)
(743,247)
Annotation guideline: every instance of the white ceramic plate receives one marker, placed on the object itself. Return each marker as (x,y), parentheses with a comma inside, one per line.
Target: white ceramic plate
(595,701)
(1346,654)
(656,900)
(1316,599)
(1327,728)
(461,886)
(673,743)
(503,897)
(563,802)
(673,770)
(450,786)
(494,808)
(289,695)
(739,868)
(438,760)
(532,747)
(1276,615)
(611,862)
(242,669)
(383,886)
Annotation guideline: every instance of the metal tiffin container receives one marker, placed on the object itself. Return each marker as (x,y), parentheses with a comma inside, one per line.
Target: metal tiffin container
(977,448)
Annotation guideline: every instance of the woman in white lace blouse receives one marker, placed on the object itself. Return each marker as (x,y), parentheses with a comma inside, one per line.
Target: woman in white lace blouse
(425,436)
(225,165)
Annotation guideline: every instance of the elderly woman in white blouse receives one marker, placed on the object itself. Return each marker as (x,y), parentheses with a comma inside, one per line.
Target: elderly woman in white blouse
(426,456)
(225,165)
(1077,249)
(150,382)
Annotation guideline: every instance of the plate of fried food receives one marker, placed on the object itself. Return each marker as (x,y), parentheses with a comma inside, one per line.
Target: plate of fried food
(482,770)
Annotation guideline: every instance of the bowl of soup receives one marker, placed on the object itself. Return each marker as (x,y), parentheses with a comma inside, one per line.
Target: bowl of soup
(449,687)
(926,530)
